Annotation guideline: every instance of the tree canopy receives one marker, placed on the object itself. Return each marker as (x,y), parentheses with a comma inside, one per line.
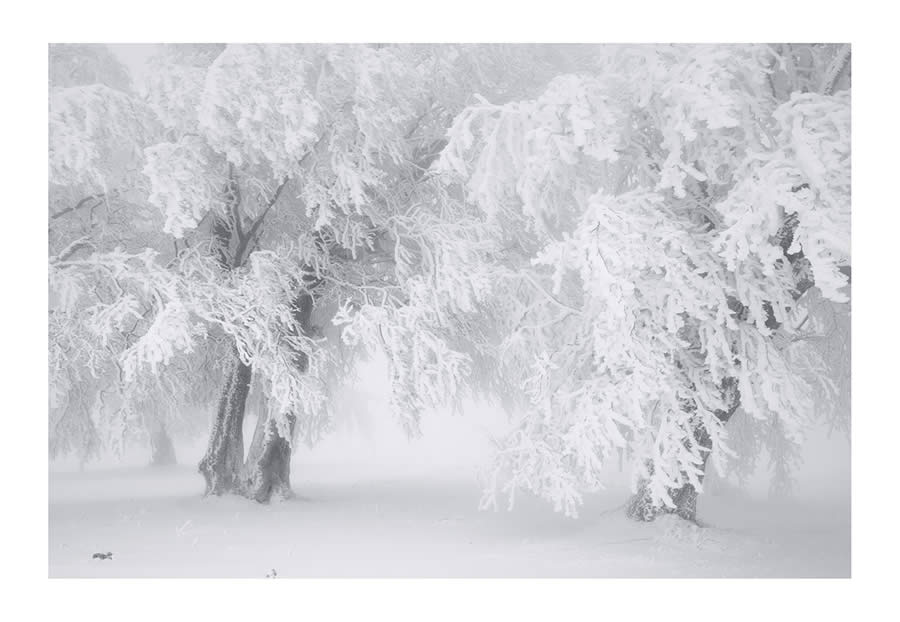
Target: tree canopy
(664,215)
(625,243)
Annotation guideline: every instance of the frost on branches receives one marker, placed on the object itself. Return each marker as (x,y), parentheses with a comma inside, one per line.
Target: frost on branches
(279,187)
(679,203)
(633,246)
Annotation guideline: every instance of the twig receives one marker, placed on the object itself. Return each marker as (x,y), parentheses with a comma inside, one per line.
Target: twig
(549,295)
(78,205)
(73,247)
(835,69)
(611,510)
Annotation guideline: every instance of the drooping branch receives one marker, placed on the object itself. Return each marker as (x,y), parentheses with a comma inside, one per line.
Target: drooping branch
(426,158)
(567,308)
(72,248)
(836,69)
(99,197)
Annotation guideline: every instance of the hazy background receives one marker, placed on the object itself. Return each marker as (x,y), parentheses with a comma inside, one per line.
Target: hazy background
(368,443)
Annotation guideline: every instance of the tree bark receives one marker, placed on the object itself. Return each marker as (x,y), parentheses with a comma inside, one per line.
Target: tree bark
(267,472)
(222,463)
(257,443)
(162,451)
(641,506)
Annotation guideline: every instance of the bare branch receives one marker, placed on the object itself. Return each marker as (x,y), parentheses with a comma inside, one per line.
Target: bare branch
(72,248)
(79,205)
(254,228)
(234,198)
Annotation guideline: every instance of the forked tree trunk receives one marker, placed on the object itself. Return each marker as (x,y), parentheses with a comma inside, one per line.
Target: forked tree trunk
(224,458)
(162,451)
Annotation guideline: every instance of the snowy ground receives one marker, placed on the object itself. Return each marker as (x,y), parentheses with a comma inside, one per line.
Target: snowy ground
(374,508)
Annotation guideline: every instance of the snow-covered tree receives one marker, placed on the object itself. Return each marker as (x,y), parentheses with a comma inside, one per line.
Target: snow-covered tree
(629,244)
(290,186)
(96,206)
(670,220)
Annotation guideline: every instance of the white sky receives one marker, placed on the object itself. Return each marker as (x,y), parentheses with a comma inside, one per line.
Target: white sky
(134,56)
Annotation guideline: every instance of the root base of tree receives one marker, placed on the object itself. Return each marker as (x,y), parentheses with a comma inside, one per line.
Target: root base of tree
(221,466)
(268,472)
(641,507)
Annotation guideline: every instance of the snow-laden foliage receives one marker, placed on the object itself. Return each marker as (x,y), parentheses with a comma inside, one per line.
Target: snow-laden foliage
(181,188)
(257,106)
(808,175)
(425,371)
(174,83)
(97,136)
(282,173)
(111,314)
(156,317)
(77,64)
(98,129)
(624,241)
(675,211)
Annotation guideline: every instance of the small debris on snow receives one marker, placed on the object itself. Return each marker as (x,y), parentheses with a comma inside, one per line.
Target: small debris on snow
(180,531)
(676,529)
(102,556)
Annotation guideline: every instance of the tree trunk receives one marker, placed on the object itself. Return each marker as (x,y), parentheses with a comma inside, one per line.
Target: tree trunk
(162,451)
(267,473)
(641,506)
(256,444)
(221,466)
